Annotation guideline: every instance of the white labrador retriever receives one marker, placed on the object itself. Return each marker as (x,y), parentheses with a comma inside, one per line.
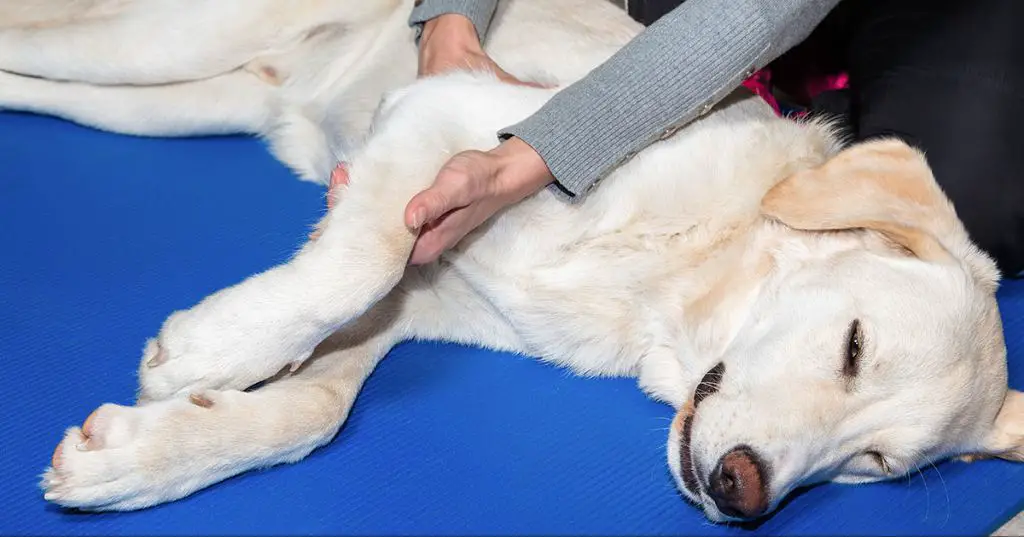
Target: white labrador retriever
(813,313)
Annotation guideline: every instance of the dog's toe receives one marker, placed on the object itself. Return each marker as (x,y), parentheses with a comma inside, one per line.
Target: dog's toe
(109,426)
(73,437)
(55,459)
(95,466)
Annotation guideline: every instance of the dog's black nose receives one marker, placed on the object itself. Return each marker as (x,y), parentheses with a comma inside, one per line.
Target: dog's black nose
(738,484)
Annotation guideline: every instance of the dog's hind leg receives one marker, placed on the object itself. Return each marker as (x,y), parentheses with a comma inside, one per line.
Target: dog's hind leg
(158,41)
(126,458)
(236,102)
(132,457)
(43,13)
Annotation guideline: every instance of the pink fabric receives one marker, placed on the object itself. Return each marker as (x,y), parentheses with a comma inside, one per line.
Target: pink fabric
(815,86)
(761,84)
(811,86)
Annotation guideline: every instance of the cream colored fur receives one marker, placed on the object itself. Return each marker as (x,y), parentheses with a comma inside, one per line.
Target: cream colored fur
(744,239)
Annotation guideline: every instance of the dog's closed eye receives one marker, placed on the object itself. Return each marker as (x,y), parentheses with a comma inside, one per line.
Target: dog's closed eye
(854,346)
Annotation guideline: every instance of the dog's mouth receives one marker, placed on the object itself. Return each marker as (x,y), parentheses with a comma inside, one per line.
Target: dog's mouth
(708,386)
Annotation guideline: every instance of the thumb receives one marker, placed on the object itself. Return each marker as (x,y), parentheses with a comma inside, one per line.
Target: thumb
(451,190)
(425,207)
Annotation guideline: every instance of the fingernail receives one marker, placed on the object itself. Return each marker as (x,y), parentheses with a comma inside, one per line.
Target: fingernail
(418,217)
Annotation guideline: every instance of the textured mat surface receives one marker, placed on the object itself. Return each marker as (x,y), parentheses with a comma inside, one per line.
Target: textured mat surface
(101,236)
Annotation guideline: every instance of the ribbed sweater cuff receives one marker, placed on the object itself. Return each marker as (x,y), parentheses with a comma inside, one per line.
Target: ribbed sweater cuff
(480,12)
(668,76)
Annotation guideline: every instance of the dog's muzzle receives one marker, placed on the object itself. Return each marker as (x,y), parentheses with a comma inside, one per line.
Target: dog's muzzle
(738,482)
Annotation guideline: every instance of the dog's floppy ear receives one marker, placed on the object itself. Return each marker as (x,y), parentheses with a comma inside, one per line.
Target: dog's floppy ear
(1006,440)
(885,186)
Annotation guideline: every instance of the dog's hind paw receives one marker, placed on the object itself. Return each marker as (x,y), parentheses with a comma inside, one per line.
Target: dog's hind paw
(125,458)
(96,466)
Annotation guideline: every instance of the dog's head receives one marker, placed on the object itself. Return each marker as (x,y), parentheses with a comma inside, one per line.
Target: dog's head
(866,359)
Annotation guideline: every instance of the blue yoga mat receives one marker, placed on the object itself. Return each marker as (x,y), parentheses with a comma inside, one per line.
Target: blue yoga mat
(102,236)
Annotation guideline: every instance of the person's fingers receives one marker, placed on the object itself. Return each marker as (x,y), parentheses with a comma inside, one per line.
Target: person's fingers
(455,187)
(509,79)
(470,62)
(438,237)
(339,178)
(428,247)
(432,203)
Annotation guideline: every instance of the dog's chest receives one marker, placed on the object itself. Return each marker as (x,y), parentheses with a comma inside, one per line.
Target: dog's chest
(601,301)
(600,284)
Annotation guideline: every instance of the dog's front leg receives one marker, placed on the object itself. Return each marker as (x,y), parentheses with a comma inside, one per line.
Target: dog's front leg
(247,333)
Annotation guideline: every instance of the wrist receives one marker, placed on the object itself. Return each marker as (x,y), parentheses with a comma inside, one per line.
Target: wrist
(523,167)
(450,31)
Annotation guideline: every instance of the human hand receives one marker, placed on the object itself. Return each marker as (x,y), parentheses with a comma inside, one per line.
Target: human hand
(339,180)
(449,42)
(470,188)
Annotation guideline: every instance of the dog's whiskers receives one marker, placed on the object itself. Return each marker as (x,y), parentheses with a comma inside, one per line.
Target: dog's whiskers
(945,489)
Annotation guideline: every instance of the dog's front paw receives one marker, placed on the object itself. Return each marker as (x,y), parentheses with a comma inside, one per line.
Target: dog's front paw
(164,374)
(246,333)
(179,360)
(214,346)
(182,360)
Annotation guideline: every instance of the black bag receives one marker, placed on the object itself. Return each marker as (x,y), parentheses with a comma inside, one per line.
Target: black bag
(648,11)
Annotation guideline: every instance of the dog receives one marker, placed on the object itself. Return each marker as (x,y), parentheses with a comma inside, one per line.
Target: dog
(814,312)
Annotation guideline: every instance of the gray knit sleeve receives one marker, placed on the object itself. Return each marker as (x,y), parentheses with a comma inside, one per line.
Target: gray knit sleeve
(480,12)
(669,75)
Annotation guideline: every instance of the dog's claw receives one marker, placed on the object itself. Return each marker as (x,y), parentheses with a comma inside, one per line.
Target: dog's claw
(200,400)
(157,359)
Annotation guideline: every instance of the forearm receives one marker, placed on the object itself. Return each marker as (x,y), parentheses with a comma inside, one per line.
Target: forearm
(665,78)
(479,12)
